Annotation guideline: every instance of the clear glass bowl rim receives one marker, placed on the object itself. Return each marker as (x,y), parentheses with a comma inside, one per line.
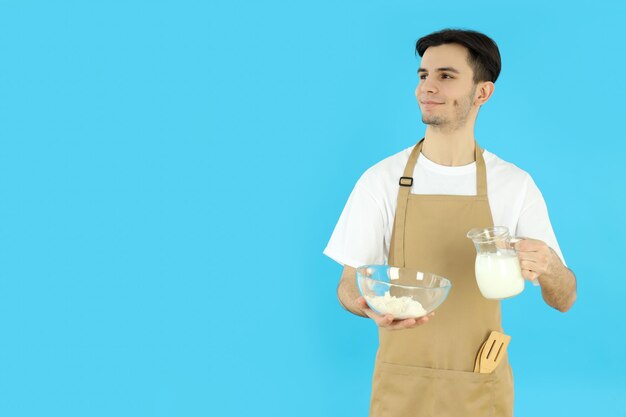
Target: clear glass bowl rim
(445,281)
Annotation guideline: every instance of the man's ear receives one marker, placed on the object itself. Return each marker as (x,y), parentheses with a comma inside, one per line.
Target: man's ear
(484,91)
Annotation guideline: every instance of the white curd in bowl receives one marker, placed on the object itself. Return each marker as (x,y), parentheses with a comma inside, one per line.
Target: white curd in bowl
(400,307)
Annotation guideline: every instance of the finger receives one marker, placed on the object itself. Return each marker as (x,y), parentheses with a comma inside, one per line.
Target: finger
(540,253)
(425,319)
(527,245)
(410,323)
(529,256)
(365,308)
(372,314)
(530,245)
(534,260)
(385,321)
(528,265)
(381,321)
(539,264)
(361,302)
(403,324)
(529,274)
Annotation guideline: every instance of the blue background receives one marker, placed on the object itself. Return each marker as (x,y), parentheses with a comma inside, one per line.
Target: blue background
(170,173)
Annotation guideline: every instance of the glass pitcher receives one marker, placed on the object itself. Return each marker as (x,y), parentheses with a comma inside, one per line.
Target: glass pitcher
(498,271)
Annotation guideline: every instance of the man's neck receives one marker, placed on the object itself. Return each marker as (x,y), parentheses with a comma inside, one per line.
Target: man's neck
(454,148)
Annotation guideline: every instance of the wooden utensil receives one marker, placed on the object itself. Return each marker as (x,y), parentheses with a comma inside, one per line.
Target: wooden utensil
(477,362)
(491,352)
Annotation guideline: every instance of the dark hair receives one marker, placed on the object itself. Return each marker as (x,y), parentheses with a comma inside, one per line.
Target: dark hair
(483,57)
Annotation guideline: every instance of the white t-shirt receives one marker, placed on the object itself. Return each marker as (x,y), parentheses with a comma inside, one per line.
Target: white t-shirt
(363,234)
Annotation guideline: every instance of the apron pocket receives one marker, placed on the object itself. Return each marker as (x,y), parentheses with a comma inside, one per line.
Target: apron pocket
(403,391)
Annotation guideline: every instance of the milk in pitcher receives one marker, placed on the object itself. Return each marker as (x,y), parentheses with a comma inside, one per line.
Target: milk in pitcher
(499,274)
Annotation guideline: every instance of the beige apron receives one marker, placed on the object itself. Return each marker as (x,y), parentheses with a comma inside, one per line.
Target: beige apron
(428,370)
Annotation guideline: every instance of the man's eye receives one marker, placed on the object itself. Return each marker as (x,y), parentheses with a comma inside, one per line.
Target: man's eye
(445,76)
(422,76)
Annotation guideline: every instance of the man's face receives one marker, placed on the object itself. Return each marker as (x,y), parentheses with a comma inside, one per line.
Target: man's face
(446,91)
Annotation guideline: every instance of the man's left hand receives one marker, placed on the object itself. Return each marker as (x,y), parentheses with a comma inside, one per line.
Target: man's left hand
(536,258)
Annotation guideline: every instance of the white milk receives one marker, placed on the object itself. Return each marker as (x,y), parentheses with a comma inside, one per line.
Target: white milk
(499,274)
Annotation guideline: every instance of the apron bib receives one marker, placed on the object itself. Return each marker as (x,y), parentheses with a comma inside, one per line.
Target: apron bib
(428,370)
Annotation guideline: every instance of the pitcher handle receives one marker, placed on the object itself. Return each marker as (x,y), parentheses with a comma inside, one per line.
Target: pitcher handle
(513,240)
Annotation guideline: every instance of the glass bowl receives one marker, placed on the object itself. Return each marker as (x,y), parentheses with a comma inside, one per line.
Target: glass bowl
(403,292)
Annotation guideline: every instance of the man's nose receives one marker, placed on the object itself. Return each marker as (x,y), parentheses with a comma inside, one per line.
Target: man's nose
(428,86)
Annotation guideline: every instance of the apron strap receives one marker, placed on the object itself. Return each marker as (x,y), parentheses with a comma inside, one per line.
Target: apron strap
(406,181)
(481,172)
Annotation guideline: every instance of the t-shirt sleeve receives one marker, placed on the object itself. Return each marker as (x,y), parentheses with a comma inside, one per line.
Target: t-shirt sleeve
(358,237)
(534,222)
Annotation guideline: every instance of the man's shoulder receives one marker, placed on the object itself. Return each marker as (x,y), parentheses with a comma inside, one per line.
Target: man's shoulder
(380,180)
(390,167)
(500,168)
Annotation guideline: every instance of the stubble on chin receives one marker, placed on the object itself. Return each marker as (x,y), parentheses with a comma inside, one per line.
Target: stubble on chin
(433,120)
(461,109)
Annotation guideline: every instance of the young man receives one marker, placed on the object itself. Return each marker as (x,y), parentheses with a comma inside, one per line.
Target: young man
(414,209)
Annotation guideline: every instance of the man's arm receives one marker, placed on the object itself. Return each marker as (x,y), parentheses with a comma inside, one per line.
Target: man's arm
(348,293)
(559,289)
(558,283)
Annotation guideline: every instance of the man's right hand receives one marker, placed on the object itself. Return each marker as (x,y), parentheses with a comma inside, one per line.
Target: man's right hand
(348,295)
(387,321)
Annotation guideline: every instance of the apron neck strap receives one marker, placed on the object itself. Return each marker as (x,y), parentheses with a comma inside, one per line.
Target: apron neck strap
(481,171)
(406,181)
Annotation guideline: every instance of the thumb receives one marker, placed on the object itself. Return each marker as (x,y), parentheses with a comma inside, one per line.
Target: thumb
(361,301)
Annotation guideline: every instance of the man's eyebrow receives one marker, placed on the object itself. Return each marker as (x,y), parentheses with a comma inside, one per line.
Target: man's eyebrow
(442,69)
